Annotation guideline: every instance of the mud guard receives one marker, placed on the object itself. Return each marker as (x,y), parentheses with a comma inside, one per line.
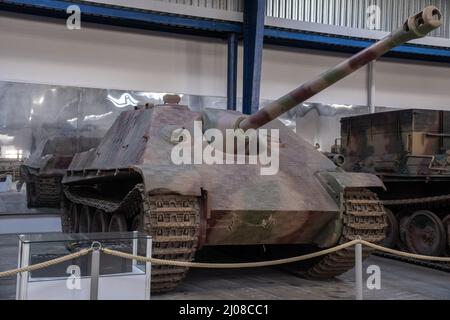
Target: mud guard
(336,183)
(160,179)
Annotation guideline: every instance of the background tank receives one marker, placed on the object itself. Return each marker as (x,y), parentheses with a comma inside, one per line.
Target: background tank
(410,151)
(43,170)
(10,167)
(129,181)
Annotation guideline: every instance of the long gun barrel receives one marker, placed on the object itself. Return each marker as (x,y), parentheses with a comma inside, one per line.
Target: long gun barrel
(417,26)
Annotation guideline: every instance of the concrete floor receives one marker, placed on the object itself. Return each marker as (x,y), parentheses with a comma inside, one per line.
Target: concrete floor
(398,281)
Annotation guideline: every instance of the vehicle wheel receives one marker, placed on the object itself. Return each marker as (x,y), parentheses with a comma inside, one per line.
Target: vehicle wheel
(446,223)
(138,224)
(31,194)
(392,231)
(85,220)
(100,221)
(402,232)
(117,223)
(66,224)
(425,234)
(74,217)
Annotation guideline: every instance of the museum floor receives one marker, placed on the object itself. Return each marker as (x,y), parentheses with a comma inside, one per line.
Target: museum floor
(398,281)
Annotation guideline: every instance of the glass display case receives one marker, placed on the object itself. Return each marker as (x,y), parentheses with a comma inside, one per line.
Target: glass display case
(92,276)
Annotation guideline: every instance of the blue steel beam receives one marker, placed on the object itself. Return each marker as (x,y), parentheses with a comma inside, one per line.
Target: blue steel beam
(334,43)
(122,16)
(254,14)
(232,71)
(208,27)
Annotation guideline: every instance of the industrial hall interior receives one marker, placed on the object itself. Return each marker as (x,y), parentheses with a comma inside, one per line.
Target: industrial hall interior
(241,151)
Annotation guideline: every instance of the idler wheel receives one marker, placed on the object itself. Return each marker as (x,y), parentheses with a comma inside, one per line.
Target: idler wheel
(117,223)
(425,234)
(100,221)
(74,217)
(85,220)
(392,230)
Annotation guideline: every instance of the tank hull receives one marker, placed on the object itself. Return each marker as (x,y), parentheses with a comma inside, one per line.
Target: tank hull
(43,171)
(242,206)
(409,151)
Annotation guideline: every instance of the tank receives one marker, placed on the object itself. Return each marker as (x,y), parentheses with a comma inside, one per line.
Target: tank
(131,181)
(410,151)
(10,167)
(43,171)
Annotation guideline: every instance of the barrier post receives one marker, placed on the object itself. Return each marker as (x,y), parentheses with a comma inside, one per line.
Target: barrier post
(95,270)
(148,269)
(358,272)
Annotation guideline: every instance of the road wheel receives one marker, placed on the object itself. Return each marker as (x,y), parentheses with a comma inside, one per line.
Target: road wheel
(85,220)
(74,217)
(425,234)
(117,223)
(100,221)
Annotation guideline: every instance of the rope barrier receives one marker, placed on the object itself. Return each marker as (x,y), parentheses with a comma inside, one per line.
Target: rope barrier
(405,254)
(223,265)
(229,265)
(269,262)
(45,264)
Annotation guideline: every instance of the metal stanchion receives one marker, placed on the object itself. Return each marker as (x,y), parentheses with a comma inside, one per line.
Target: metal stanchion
(358,272)
(95,269)
(148,269)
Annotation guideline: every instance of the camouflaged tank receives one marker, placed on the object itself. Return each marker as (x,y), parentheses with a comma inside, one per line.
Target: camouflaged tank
(43,170)
(410,151)
(130,181)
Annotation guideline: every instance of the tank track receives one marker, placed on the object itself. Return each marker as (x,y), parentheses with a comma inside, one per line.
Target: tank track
(173,221)
(47,192)
(363,218)
(418,204)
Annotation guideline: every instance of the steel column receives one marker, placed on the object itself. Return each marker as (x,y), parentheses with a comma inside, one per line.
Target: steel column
(253,28)
(371,86)
(232,71)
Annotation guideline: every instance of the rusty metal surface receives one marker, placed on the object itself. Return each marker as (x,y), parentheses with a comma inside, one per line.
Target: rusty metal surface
(242,205)
(306,200)
(409,150)
(398,143)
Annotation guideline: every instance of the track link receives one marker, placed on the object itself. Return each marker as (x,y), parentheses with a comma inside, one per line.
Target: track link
(44,192)
(173,221)
(363,218)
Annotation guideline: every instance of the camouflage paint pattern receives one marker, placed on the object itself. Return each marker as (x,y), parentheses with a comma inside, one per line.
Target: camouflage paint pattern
(299,204)
(415,27)
(398,143)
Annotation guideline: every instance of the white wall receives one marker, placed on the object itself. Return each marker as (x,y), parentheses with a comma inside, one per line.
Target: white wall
(46,52)
(43,52)
(285,68)
(412,84)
